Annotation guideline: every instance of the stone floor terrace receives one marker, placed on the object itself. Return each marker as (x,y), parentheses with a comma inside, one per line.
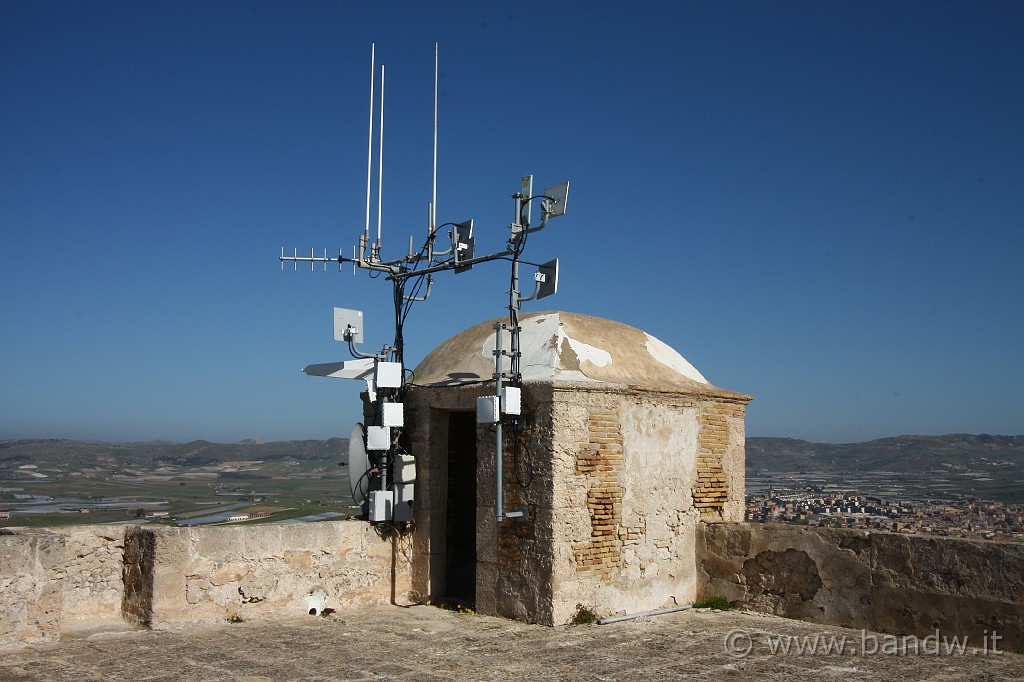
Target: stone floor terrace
(427,643)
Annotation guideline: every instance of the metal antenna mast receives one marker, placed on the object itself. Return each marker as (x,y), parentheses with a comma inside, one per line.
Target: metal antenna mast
(381,470)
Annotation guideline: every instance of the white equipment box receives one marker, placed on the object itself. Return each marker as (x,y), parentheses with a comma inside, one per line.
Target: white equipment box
(393,414)
(378,438)
(402,510)
(488,410)
(511,400)
(381,504)
(389,375)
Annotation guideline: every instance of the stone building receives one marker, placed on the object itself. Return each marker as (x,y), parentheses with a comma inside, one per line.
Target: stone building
(623,450)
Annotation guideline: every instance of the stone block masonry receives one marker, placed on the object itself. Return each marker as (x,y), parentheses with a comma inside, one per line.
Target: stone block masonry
(54,581)
(887,582)
(58,580)
(32,569)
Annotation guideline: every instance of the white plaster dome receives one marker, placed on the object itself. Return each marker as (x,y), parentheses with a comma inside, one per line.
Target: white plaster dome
(561,346)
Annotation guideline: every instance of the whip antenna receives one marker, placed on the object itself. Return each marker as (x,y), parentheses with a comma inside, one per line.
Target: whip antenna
(369,145)
(433,197)
(380,157)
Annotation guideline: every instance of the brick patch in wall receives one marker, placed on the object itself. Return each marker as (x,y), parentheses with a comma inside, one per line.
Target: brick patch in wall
(712,489)
(600,459)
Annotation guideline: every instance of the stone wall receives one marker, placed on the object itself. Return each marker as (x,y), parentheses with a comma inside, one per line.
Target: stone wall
(612,473)
(31,580)
(268,570)
(58,580)
(886,582)
(92,581)
(515,558)
(627,468)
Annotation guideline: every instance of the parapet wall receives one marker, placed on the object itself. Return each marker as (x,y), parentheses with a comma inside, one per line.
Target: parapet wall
(58,580)
(886,582)
(54,581)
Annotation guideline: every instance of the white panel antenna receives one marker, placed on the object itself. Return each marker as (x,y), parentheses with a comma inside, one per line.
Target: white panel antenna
(463,245)
(547,279)
(348,325)
(555,199)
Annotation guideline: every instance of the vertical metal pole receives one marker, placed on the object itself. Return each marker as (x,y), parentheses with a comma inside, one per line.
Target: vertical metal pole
(499,501)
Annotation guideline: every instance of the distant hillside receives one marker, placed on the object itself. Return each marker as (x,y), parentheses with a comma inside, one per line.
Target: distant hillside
(902,453)
(197,453)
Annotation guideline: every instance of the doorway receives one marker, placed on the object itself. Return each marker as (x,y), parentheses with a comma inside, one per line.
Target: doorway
(460,510)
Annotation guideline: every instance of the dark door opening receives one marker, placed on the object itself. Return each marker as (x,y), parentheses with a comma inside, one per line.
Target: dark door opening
(460,517)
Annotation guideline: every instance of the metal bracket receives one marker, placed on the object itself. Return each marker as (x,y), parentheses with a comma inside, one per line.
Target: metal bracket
(520,515)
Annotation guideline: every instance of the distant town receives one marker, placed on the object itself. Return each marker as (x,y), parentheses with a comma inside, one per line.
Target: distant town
(957,485)
(977,519)
(810,501)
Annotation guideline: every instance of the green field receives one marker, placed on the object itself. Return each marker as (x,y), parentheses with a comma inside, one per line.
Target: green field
(296,480)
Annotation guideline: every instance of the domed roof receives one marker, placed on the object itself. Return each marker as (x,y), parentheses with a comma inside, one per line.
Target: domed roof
(560,346)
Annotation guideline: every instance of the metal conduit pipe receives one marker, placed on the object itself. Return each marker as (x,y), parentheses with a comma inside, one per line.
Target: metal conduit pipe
(642,614)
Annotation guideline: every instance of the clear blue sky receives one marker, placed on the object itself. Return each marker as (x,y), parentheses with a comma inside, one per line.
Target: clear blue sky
(817,203)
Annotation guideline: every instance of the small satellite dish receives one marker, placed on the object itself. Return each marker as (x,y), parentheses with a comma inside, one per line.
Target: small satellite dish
(358,465)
